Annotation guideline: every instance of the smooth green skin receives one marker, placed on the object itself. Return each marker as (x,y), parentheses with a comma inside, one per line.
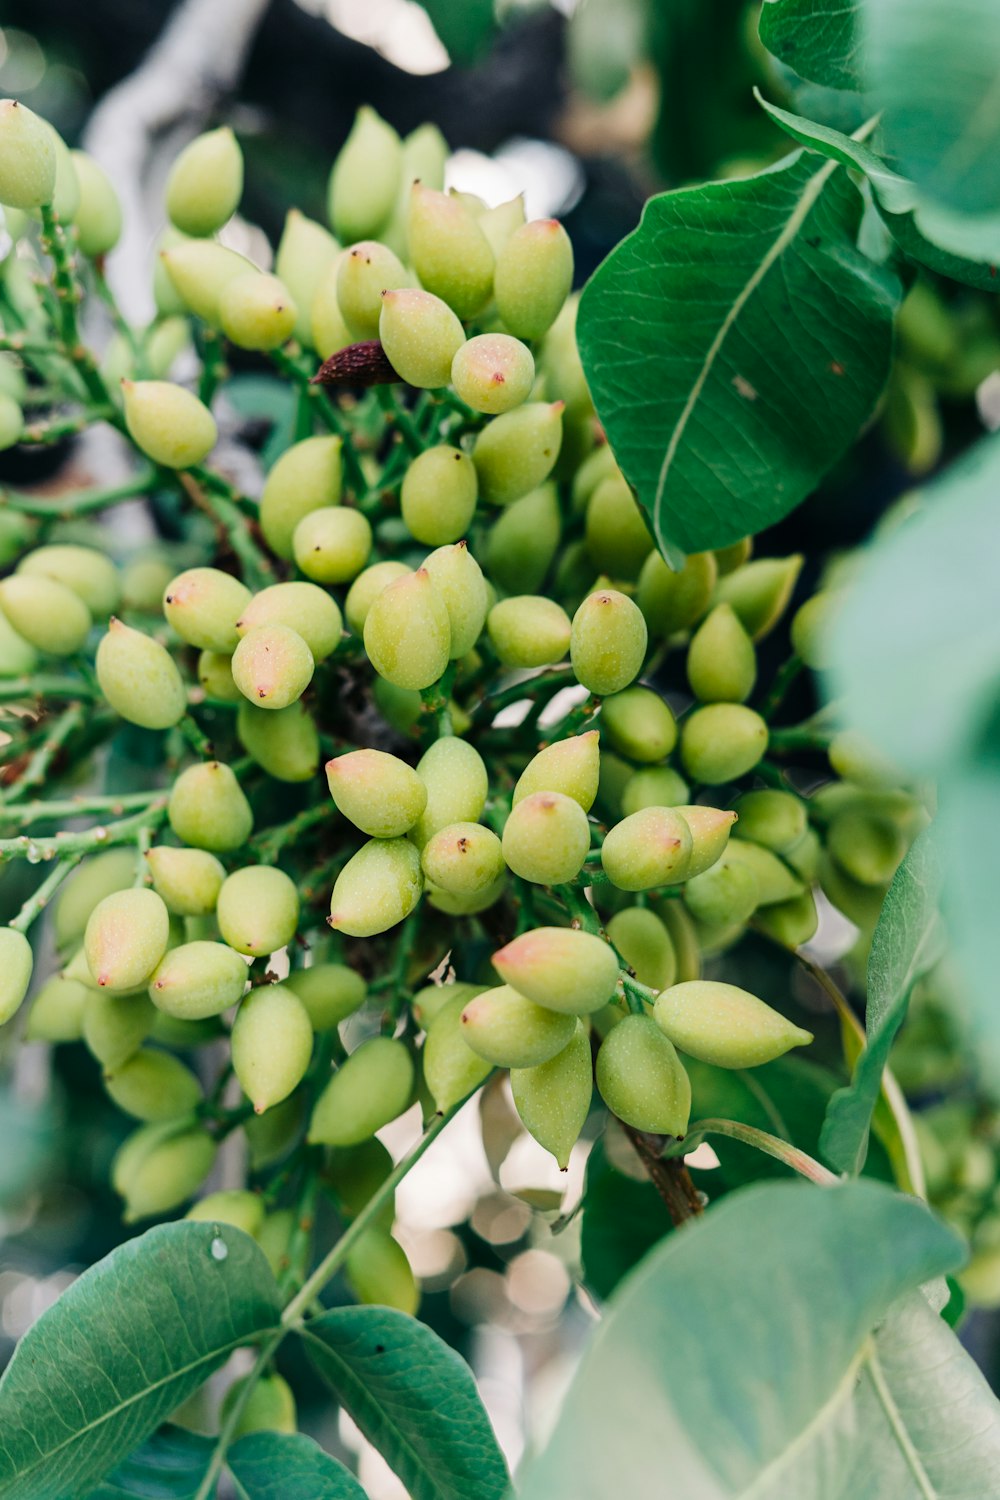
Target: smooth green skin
(607,642)
(377,888)
(167,1173)
(307,609)
(642,1080)
(560,968)
(639,724)
(855,758)
(517,451)
(329,332)
(11,422)
(271,1136)
(215,675)
(89,574)
(791,923)
(684,937)
(778,820)
(811,627)
(429,1001)
(869,849)
(271,1044)
(189,880)
(329,992)
(143,582)
(570,766)
(207,808)
(90,882)
(332,544)
(463,859)
(170,1031)
(257,311)
(710,829)
(272,666)
(804,858)
(27,157)
(457,783)
(454,905)
(377,792)
(493,373)
(420,335)
(115,1026)
(203,606)
(365,273)
(198,979)
(500,222)
(15,531)
(553,1099)
(46,614)
(378,1273)
(523,540)
(373,1086)
(438,497)
(721,661)
(671,601)
(775,881)
(169,301)
(618,539)
(126,937)
(98,217)
(861,903)
(258,910)
(270,1406)
(153,1085)
(56,1013)
(305,253)
(529,630)
(205,183)
(448,250)
(533,277)
(722,742)
(199,272)
(357,1173)
(17,657)
(511,1031)
(16,962)
(364,181)
(728,559)
(139,678)
(366,588)
(275,1234)
(236,1206)
(459,581)
(168,423)
(645,944)
(656,786)
(648,849)
(407,632)
(451,1069)
(725,894)
(598,465)
(425,154)
(724,1025)
(308,475)
(546,838)
(283,741)
(400,707)
(759,592)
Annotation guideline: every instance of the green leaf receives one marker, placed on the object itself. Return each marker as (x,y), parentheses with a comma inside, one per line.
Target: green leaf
(817,38)
(288,1466)
(906,943)
(623,1218)
(465,27)
(121,1349)
(734,344)
(934,69)
(413,1398)
(170,1465)
(739,1361)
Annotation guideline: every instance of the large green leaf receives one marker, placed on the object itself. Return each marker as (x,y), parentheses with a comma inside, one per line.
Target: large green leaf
(818,38)
(288,1466)
(905,944)
(413,1398)
(170,1465)
(934,68)
(121,1349)
(735,343)
(465,27)
(739,1360)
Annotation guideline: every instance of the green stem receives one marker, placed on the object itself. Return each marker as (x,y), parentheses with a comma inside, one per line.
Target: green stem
(37,768)
(397,414)
(638,995)
(800,737)
(37,903)
(43,686)
(212,494)
(327,412)
(213,365)
(61,506)
(76,807)
(43,433)
(195,736)
(528,687)
(783,679)
(104,837)
(68,295)
(791,1156)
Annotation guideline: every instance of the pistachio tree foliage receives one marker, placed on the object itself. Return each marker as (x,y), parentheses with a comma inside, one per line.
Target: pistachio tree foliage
(459,774)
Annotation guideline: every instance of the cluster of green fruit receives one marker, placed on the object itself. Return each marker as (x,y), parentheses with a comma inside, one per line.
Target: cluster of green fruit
(570,851)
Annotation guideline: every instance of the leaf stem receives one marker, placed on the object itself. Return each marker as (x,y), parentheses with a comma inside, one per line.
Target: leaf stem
(36,903)
(771,1145)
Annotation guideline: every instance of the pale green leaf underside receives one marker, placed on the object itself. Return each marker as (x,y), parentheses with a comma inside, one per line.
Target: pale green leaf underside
(288,1466)
(734,344)
(819,39)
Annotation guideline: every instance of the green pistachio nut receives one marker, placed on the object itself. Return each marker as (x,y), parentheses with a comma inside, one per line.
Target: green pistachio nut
(167,1171)
(642,1080)
(553,1099)
(139,678)
(365,590)
(308,475)
(432,998)
(188,880)
(607,642)
(516,451)
(305,253)
(804,856)
(759,592)
(236,1206)
(152,1085)
(522,542)
(570,766)
(270,1406)
(533,276)
(728,559)
(98,217)
(726,894)
(364,182)
(11,422)
(511,1031)
(811,628)
(304,607)
(455,776)
(407,632)
(654,786)
(378,887)
(257,311)
(56,1013)
(778,820)
(115,1026)
(169,424)
(275,1234)
(205,183)
(27,157)
(493,373)
(546,838)
(451,1069)
(365,273)
(721,661)
(684,937)
(648,849)
(645,944)
(332,544)
(271,1044)
(724,1025)
(460,584)
(17,657)
(377,792)
(284,742)
(203,605)
(438,497)
(329,992)
(89,574)
(672,601)
(207,808)
(198,979)
(420,335)
(272,1135)
(199,271)
(449,250)
(258,910)
(463,859)
(454,904)
(500,222)
(126,937)
(867,847)
(638,723)
(272,666)
(143,582)
(378,1273)
(722,742)
(710,829)
(791,923)
(372,1087)
(46,614)
(329,332)
(90,882)
(529,630)
(16,962)
(618,539)
(775,881)
(860,903)
(560,968)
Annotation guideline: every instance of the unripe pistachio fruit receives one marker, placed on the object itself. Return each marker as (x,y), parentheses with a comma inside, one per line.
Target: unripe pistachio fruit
(546,838)
(792,922)
(642,1080)
(90,882)
(553,1098)
(371,1088)
(198,272)
(463,859)
(461,586)
(272,666)
(169,424)
(257,311)
(126,937)
(377,888)
(722,742)
(283,741)
(560,968)
(451,1069)
(759,592)
(46,614)
(98,217)
(16,961)
(365,273)
(407,632)
(308,475)
(511,1031)
(725,894)
(618,539)
(775,819)
(775,881)
(236,1206)
(153,1085)
(378,1273)
(570,766)
(377,792)
(205,183)
(645,944)
(198,979)
(89,574)
(517,451)
(651,848)
(673,601)
(638,723)
(329,992)
(258,910)
(449,250)
(522,542)
(304,607)
(438,497)
(164,1167)
(188,880)
(305,252)
(139,678)
(365,178)
(56,1013)
(710,829)
(271,1043)
(270,1406)
(868,847)
(17,657)
(457,784)
(207,808)
(533,276)
(203,605)
(657,786)
(608,642)
(27,157)
(420,335)
(493,373)
(332,544)
(529,630)
(811,628)
(721,661)
(724,1025)
(365,590)
(115,1026)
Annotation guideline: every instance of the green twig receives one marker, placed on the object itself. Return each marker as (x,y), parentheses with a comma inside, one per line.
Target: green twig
(37,768)
(58,507)
(783,679)
(75,807)
(15,689)
(105,836)
(35,904)
(212,494)
(790,1155)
